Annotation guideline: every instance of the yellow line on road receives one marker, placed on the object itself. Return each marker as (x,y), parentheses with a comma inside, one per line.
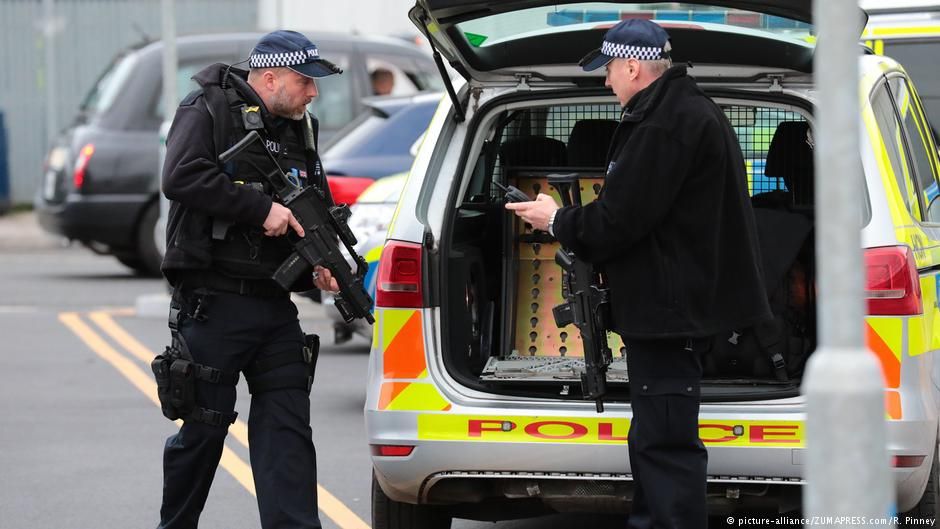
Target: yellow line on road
(142,381)
(335,509)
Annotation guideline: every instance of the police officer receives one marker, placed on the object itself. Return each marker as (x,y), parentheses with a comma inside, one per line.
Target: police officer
(226,235)
(673,233)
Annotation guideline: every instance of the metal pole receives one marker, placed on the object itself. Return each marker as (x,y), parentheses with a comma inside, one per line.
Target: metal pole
(847,469)
(49,77)
(170,101)
(168,16)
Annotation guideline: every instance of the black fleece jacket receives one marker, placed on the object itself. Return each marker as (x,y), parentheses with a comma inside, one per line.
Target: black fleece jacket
(193,177)
(200,191)
(672,229)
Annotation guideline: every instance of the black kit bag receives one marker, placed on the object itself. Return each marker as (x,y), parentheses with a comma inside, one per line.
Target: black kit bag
(777,347)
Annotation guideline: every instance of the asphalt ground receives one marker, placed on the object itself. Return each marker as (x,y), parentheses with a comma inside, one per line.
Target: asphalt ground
(81,438)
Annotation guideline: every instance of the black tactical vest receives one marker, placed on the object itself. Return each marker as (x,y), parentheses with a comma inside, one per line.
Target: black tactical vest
(244,251)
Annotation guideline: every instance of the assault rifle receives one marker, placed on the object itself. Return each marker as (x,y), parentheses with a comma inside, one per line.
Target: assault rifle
(587,303)
(323,225)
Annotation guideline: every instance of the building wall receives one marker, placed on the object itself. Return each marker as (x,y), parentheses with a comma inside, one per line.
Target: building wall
(87,34)
(368,17)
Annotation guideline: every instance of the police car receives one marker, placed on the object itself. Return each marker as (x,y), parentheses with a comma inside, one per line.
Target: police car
(909,32)
(474,406)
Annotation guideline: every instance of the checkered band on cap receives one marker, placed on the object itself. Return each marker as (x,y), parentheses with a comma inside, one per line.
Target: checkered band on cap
(275,60)
(624,51)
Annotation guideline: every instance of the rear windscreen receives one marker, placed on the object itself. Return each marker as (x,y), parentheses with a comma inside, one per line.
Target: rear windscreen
(578,135)
(102,95)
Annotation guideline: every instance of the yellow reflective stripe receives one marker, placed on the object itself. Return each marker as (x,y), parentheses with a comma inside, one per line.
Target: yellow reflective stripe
(403,355)
(915,336)
(884,338)
(878,46)
(890,331)
(392,321)
(418,396)
(931,318)
(374,254)
(907,31)
(598,431)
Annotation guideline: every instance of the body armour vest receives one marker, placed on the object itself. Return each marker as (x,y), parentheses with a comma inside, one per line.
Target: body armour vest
(238,250)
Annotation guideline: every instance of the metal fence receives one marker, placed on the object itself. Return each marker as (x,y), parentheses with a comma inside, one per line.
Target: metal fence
(86,35)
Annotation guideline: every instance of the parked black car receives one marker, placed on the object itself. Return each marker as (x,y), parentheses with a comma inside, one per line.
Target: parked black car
(100,185)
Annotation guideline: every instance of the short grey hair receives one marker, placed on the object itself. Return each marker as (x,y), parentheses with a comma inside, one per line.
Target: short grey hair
(255,73)
(659,66)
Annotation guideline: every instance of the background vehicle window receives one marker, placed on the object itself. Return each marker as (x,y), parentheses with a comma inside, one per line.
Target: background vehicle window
(334,105)
(919,141)
(377,135)
(890,129)
(404,78)
(919,58)
(109,85)
(184,82)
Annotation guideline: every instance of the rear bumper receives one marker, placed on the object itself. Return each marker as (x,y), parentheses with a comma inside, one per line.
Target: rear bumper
(742,474)
(109,220)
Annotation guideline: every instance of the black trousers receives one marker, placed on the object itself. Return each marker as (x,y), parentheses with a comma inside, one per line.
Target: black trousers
(236,331)
(667,458)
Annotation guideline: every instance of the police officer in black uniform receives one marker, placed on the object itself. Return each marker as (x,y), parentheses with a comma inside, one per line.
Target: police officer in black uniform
(226,235)
(673,233)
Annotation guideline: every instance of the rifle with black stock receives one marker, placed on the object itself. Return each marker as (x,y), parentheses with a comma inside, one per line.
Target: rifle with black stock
(587,303)
(323,226)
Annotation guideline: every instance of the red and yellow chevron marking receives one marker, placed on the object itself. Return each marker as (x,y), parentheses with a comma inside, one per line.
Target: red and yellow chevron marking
(884,338)
(608,431)
(403,344)
(411,396)
(893,405)
(403,358)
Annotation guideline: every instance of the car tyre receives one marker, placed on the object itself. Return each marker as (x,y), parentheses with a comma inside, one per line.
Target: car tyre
(926,508)
(390,514)
(131,261)
(147,252)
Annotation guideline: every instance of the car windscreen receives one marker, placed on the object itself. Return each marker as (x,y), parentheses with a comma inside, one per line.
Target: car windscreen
(105,91)
(380,136)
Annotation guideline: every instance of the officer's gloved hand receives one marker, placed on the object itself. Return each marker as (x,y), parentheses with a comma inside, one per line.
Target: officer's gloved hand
(279,220)
(323,279)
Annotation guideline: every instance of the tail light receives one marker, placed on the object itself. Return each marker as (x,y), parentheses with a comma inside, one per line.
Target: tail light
(346,189)
(399,278)
(892,286)
(392,450)
(81,164)
(907,461)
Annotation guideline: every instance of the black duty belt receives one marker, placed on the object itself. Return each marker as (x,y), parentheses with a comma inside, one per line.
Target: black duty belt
(259,288)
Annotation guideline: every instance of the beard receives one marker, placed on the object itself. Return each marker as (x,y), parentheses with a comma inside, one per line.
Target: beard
(281,105)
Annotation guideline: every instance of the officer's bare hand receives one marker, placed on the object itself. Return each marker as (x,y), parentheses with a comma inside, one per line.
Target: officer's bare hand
(324,280)
(536,212)
(279,220)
